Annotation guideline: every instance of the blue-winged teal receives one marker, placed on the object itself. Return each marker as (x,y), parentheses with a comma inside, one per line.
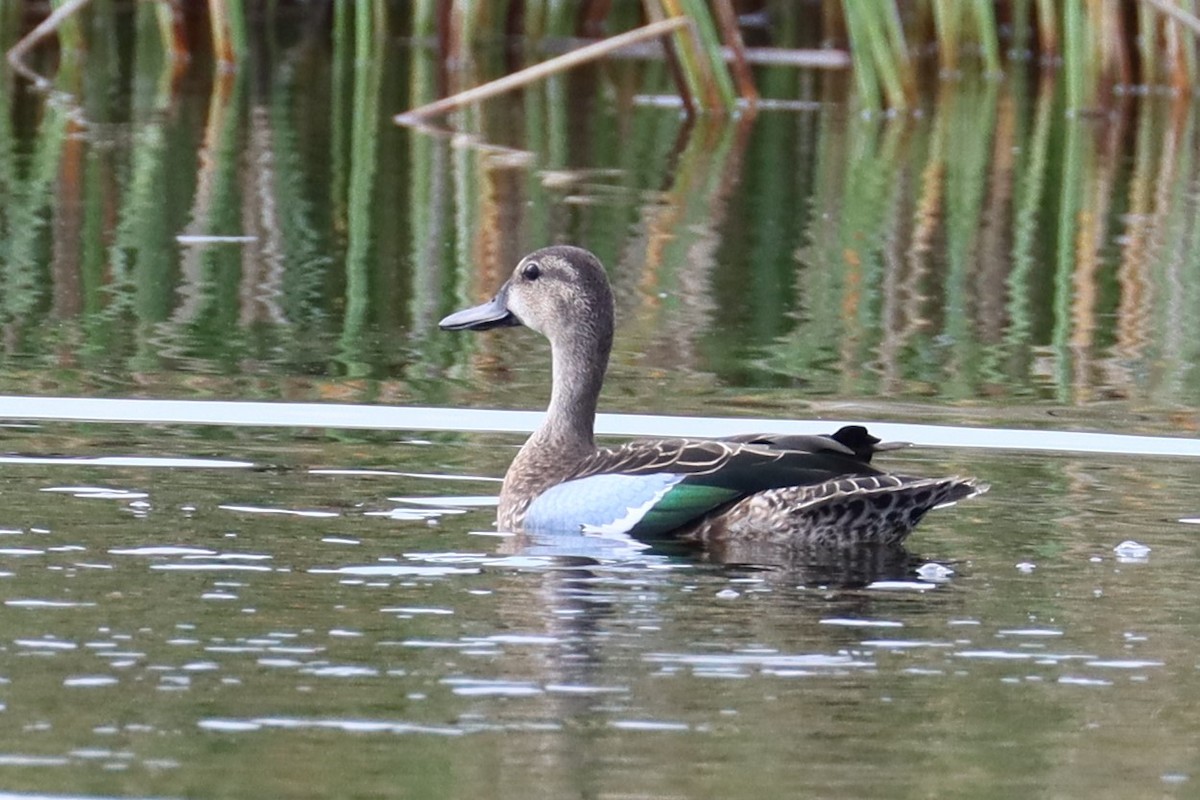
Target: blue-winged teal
(787,489)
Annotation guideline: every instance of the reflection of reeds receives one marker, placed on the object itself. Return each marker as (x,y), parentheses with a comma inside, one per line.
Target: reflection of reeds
(989,247)
(857,204)
(262,223)
(228,23)
(678,259)
(217,164)
(68,228)
(969,319)
(368,73)
(1175,212)
(1031,174)
(23,244)
(427,206)
(969,149)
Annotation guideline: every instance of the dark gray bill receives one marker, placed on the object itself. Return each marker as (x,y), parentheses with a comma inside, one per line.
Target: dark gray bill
(492,314)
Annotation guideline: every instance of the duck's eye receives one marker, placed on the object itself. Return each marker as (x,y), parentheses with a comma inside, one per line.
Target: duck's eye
(531,271)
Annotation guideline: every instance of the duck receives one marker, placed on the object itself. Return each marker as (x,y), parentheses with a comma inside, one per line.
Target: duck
(775,489)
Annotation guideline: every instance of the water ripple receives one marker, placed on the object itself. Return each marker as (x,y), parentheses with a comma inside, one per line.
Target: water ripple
(394,570)
(224,725)
(126,461)
(97,492)
(161,550)
(778,663)
(245,509)
(476,687)
(32,603)
(861,623)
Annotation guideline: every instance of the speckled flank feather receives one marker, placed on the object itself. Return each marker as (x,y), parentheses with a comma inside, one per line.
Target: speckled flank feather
(875,509)
(771,488)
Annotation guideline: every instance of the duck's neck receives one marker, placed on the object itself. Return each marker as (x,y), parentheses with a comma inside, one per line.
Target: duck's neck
(577,374)
(564,438)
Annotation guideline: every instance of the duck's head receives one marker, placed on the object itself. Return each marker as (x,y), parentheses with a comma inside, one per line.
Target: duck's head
(561,292)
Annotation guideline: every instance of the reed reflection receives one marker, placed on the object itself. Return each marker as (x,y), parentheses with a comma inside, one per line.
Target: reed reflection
(994,249)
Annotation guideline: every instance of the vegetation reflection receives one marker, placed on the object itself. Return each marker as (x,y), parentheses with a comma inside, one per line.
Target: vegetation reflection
(271,233)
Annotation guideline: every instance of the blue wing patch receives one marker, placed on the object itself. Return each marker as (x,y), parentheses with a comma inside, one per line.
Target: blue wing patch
(598,504)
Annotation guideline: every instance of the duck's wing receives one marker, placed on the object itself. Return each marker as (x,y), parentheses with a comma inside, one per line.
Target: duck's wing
(651,487)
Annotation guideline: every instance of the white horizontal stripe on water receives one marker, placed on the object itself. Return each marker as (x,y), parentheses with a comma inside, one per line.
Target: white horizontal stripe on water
(424,418)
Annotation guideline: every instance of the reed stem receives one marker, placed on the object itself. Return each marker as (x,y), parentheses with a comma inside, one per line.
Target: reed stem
(984,12)
(48,26)
(693,55)
(1175,12)
(1047,18)
(899,47)
(732,36)
(887,60)
(1075,55)
(539,71)
(865,77)
(708,50)
(947,20)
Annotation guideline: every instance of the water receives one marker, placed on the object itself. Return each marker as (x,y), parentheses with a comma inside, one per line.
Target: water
(246,540)
(239,626)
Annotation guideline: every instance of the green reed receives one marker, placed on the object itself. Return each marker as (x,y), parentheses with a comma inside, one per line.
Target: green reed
(865,72)
(1096,40)
(713,72)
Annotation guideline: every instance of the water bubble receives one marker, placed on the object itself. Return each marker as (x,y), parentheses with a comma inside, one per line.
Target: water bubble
(1131,552)
(932,571)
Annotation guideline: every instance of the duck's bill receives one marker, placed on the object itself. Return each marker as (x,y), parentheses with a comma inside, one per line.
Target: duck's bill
(492,314)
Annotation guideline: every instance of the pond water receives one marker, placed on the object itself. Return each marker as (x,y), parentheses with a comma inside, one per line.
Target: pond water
(304,595)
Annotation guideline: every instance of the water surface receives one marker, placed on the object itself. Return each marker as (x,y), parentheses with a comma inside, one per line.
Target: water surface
(305,595)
